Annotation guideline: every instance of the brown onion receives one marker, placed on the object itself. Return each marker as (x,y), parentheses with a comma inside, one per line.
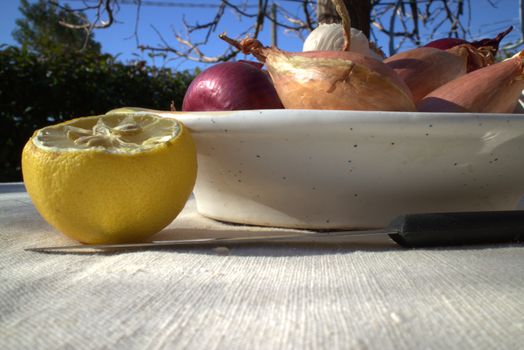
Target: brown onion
(331,79)
(336,80)
(492,89)
(425,68)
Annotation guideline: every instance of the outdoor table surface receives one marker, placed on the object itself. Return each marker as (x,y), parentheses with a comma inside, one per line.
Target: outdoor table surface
(364,293)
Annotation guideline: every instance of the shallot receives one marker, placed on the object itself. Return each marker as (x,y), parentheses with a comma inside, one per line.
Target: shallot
(425,68)
(492,89)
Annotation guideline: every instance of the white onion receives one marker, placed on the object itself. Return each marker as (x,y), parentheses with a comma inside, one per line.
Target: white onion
(330,37)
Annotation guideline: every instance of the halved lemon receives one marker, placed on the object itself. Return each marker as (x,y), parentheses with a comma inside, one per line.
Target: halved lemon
(112,178)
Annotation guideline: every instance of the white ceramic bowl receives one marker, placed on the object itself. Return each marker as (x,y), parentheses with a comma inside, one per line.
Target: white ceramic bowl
(351,169)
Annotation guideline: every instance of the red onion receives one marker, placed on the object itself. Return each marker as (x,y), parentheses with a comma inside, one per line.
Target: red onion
(447,43)
(253,63)
(231,86)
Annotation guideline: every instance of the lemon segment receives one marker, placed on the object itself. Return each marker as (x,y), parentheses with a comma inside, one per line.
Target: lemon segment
(112,178)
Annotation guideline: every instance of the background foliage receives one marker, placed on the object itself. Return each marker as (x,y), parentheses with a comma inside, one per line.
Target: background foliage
(38,90)
(39,30)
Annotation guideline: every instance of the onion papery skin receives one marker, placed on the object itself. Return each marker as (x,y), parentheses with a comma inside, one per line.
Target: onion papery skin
(492,89)
(336,80)
(425,68)
(231,86)
(475,57)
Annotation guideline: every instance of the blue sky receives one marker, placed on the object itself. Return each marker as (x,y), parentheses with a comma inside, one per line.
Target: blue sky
(485,21)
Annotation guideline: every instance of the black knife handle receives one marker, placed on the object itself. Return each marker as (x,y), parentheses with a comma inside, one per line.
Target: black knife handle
(460,228)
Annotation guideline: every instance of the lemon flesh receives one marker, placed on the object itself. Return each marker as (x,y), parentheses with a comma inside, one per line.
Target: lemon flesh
(111,178)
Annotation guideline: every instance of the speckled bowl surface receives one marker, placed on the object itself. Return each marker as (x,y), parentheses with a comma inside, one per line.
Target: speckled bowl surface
(352,169)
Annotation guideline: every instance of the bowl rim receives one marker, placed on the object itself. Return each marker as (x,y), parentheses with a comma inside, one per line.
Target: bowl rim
(264,120)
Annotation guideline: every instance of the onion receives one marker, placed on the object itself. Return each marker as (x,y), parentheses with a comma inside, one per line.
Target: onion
(231,86)
(425,68)
(336,80)
(331,79)
(253,63)
(447,43)
(492,89)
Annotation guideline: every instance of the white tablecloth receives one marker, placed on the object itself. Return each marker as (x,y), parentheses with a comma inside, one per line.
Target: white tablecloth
(365,294)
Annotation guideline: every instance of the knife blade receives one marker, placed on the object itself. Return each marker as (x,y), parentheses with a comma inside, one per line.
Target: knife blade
(410,231)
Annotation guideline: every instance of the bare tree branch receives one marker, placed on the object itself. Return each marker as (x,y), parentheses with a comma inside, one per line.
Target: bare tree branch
(405,21)
(103,6)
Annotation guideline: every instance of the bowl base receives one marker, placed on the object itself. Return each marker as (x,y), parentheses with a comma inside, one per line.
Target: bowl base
(372,216)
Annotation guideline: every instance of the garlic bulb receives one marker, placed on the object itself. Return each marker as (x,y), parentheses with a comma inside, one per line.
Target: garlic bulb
(330,37)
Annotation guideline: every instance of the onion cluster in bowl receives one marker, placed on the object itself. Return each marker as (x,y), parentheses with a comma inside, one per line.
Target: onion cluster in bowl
(447,75)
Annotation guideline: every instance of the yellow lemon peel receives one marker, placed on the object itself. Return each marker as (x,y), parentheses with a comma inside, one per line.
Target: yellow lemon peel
(112,178)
